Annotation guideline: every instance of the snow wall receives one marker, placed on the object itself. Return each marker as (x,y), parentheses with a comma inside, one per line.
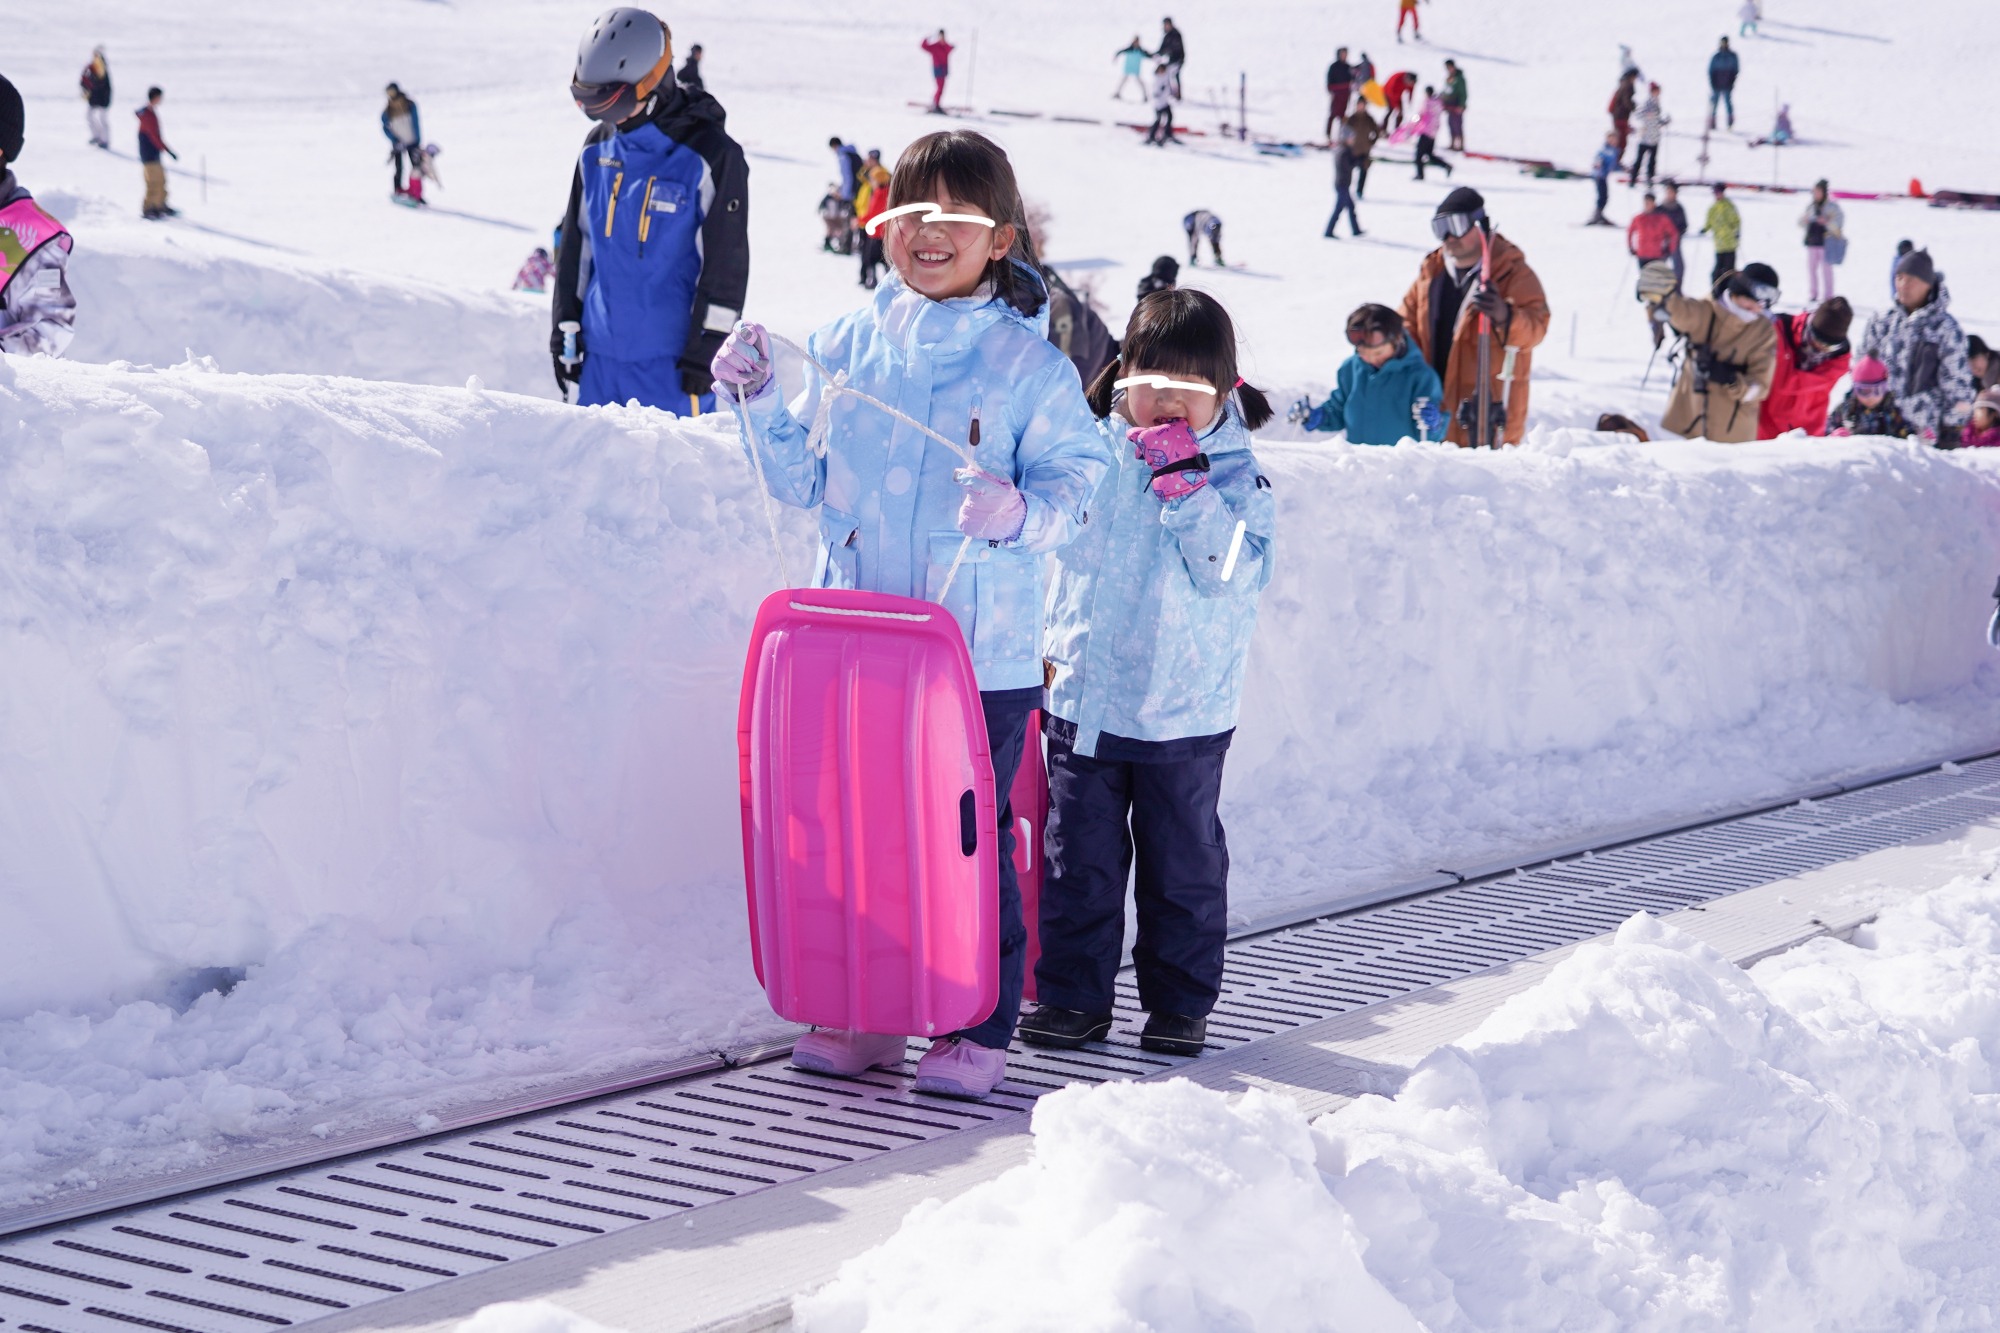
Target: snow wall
(293,654)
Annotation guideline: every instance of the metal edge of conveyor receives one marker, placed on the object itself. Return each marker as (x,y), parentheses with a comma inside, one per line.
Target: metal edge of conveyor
(1599,843)
(481,1114)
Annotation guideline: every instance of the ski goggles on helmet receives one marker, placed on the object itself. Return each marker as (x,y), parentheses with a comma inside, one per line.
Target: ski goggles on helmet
(956,223)
(1762,292)
(612,103)
(1456,224)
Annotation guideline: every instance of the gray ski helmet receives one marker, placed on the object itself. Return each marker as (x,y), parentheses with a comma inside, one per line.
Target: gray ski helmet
(619,50)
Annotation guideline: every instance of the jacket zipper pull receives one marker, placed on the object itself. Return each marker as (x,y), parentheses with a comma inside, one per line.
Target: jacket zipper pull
(646,214)
(611,209)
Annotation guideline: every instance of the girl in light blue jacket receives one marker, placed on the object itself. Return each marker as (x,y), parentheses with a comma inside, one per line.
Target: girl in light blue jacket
(957,339)
(1150,618)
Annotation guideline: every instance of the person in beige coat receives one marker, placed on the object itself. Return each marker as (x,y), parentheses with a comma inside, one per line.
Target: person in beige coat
(1731,356)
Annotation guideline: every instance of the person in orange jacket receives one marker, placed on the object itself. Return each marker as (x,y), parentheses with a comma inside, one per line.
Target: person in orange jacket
(1442,306)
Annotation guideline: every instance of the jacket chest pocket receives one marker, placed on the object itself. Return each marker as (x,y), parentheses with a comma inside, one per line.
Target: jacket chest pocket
(643,211)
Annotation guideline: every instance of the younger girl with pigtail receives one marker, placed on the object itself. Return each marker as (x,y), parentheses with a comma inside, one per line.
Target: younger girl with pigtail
(1149,629)
(955,338)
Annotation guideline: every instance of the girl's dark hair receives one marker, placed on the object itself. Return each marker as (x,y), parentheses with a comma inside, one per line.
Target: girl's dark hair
(974,170)
(1180,331)
(1372,318)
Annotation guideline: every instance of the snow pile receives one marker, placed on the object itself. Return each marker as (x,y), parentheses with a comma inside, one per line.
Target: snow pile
(1651,1138)
(1467,655)
(158,296)
(416,703)
(528,1317)
(1162,1207)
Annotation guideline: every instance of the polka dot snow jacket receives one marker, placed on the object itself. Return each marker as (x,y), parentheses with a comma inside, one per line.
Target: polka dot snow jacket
(887,501)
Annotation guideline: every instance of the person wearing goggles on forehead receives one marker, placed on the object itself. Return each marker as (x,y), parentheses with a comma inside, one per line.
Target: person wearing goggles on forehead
(1728,354)
(1812,355)
(1442,307)
(1385,393)
(655,250)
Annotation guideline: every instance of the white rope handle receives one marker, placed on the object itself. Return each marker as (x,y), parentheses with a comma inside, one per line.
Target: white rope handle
(838,385)
(763,490)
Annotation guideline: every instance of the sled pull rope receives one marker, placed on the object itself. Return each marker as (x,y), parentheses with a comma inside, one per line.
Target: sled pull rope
(749,430)
(837,385)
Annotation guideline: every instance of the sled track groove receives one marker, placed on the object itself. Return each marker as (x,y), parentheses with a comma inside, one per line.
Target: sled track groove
(296,1242)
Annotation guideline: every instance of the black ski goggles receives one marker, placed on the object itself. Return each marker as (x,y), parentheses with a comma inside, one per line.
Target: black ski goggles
(612,103)
(1456,224)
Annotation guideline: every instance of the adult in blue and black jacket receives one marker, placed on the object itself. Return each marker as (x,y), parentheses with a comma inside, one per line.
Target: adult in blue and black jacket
(1723,67)
(655,252)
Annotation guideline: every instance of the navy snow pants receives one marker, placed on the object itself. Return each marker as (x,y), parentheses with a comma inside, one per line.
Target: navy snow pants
(1006,737)
(1100,813)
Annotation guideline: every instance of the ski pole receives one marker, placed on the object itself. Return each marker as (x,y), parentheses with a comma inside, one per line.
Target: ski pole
(570,356)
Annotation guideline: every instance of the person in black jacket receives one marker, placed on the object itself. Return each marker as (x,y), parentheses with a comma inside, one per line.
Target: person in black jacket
(690,75)
(1173,53)
(655,253)
(1723,68)
(1339,87)
(96,85)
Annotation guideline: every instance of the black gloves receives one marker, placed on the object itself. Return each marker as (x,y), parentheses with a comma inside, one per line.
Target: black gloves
(1488,302)
(566,375)
(697,377)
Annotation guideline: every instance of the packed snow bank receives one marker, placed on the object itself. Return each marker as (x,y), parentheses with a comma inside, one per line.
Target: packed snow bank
(1466,655)
(156,295)
(1161,1207)
(414,708)
(415,703)
(1649,1139)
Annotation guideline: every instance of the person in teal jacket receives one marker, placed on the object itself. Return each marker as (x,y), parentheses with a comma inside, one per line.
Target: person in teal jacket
(1149,624)
(1386,392)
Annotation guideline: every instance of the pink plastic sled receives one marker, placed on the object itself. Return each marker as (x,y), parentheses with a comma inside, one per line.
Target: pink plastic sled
(868,815)
(1029,805)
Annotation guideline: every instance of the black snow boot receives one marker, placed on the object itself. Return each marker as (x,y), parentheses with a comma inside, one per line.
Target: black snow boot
(1171,1034)
(1064,1029)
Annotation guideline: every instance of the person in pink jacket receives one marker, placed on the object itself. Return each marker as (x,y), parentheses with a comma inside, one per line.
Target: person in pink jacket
(1983,431)
(1424,130)
(939,50)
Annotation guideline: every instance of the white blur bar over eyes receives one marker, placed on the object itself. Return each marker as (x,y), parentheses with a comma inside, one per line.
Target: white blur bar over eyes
(932,212)
(1162,382)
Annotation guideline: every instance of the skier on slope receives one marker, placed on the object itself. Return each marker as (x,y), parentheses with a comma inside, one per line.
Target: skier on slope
(939,50)
(96,86)
(1198,224)
(1161,132)
(1723,68)
(1339,86)
(1925,350)
(1601,167)
(1407,9)
(37,311)
(1172,53)
(655,246)
(1652,120)
(152,142)
(404,131)
(1133,55)
(1441,306)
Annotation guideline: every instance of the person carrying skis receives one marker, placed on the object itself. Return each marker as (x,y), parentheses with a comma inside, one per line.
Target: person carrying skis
(1601,167)
(1812,355)
(1440,311)
(1651,236)
(1424,130)
(1134,54)
(1823,224)
(1339,87)
(37,311)
(1396,94)
(1722,70)
(655,249)
(404,131)
(1624,101)
(1870,407)
(1198,224)
(939,50)
(1652,120)
(151,144)
(1385,393)
(1161,133)
(1924,349)
(1172,53)
(1407,9)
(96,86)
(955,339)
(1169,570)
(1454,103)
(1725,224)
(1731,356)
